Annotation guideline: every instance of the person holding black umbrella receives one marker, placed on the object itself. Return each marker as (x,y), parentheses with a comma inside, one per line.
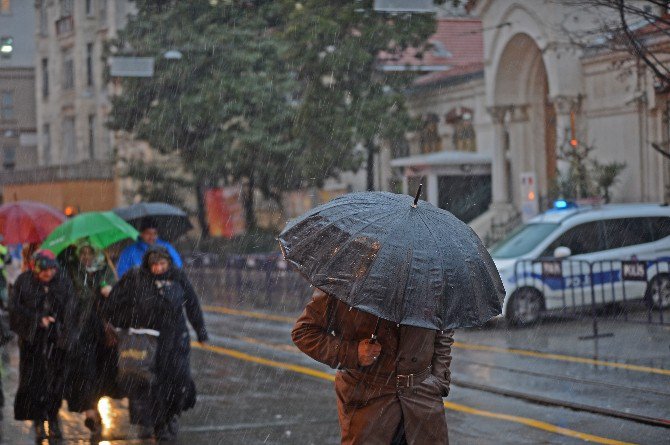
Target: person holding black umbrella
(132,255)
(389,390)
(36,315)
(393,277)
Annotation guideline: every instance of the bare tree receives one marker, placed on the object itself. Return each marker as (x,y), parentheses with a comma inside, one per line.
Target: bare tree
(640,27)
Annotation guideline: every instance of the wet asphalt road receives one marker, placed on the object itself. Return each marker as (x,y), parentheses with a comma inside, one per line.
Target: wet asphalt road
(256,388)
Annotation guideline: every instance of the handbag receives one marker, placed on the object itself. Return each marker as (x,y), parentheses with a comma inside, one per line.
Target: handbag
(137,357)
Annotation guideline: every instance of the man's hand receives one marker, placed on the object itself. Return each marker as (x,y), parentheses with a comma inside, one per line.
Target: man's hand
(368,352)
(46,321)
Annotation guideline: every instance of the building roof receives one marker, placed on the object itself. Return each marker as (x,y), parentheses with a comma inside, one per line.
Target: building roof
(442,158)
(458,49)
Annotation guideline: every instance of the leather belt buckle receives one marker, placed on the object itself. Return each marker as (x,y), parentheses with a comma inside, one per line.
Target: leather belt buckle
(409,381)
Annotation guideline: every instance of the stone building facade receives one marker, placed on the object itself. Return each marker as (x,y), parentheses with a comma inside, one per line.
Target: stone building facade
(18,139)
(75,153)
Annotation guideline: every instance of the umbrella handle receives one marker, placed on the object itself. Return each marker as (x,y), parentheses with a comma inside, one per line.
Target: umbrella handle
(373,338)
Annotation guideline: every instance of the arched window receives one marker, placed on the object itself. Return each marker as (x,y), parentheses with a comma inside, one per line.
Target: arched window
(430,140)
(464,137)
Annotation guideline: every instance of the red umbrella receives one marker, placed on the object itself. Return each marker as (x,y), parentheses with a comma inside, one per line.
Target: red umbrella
(28,221)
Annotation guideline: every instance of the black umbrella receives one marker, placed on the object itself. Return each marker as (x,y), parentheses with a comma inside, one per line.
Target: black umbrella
(400,259)
(171,222)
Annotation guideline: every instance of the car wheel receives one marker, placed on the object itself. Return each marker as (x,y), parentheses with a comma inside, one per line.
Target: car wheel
(525,307)
(657,295)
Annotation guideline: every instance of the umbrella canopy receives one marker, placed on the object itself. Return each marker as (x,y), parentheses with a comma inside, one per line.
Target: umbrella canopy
(171,222)
(28,221)
(414,265)
(101,228)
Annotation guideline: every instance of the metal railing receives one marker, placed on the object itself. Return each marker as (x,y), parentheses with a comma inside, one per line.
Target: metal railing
(637,291)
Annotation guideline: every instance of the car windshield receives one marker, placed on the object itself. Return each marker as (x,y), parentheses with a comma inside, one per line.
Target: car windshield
(522,240)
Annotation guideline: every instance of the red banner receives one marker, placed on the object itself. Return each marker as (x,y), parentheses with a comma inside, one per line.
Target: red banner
(225,214)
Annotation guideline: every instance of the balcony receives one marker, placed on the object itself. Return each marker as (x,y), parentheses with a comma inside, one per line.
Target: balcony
(64,26)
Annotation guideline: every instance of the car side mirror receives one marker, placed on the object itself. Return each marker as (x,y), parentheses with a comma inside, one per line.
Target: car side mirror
(562,252)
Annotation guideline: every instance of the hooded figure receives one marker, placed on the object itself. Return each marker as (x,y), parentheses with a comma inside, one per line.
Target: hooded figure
(36,315)
(90,361)
(154,296)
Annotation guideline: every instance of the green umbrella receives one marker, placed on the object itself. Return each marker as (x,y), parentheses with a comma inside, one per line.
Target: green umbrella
(102,229)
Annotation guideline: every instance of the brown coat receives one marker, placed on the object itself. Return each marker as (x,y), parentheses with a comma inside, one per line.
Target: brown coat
(372,401)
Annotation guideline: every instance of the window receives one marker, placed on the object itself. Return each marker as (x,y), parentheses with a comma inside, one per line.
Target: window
(89,64)
(102,12)
(522,240)
(45,78)
(89,7)
(66,8)
(69,142)
(44,19)
(626,232)
(6,46)
(5,7)
(660,227)
(581,239)
(464,138)
(91,136)
(9,158)
(46,144)
(430,140)
(68,72)
(7,105)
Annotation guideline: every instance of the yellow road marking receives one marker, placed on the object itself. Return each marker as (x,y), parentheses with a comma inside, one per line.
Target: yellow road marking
(448,405)
(259,315)
(472,346)
(561,357)
(534,424)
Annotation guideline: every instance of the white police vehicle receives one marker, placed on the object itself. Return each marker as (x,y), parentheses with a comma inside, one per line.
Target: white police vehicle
(574,256)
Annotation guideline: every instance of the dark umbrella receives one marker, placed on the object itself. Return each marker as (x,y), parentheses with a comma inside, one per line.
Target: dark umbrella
(402,260)
(171,222)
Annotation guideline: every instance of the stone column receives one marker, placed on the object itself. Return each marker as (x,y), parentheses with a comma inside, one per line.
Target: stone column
(432,189)
(499,180)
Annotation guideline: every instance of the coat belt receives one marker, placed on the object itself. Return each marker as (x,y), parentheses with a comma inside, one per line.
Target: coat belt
(392,380)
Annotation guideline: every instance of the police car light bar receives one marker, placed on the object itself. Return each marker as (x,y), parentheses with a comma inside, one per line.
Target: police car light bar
(562,204)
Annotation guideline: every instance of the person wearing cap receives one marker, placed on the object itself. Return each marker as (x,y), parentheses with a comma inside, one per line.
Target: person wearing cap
(90,359)
(154,296)
(132,255)
(36,315)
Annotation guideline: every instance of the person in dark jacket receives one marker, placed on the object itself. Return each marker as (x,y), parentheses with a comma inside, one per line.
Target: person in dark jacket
(153,296)
(36,315)
(90,362)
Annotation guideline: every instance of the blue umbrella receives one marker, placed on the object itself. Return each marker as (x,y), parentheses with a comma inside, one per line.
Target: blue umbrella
(400,259)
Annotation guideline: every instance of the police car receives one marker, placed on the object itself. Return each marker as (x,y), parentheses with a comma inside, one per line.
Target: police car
(572,256)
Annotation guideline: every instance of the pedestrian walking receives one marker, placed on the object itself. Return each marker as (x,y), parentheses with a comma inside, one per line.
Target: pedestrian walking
(393,277)
(90,363)
(154,296)
(36,315)
(132,255)
(389,391)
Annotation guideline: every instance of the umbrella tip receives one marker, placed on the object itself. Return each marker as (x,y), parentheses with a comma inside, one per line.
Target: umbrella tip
(416,198)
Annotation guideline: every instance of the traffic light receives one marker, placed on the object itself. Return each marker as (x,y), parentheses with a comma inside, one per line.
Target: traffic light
(70,211)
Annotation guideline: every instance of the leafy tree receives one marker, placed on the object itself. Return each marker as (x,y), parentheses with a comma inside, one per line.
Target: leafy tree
(157,182)
(346,100)
(223,107)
